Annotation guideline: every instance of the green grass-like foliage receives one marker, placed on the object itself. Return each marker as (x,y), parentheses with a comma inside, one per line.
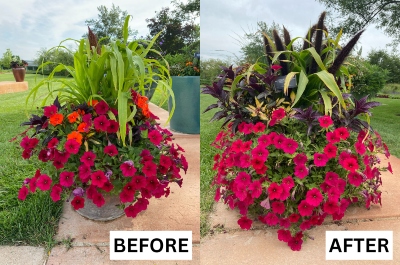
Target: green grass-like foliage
(109,73)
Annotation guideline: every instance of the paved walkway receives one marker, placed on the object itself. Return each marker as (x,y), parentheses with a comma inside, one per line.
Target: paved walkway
(90,240)
(229,244)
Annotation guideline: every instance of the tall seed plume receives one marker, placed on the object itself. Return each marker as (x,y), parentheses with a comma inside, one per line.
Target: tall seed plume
(93,40)
(318,41)
(282,57)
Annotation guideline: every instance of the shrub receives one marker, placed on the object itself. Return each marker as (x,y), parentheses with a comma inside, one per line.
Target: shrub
(210,69)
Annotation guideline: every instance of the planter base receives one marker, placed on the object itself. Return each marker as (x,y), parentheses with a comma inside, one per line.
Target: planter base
(109,211)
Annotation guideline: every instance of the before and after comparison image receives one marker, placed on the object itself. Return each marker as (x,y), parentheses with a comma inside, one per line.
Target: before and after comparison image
(184,132)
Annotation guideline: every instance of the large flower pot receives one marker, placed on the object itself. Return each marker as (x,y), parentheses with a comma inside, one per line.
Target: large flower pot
(19,74)
(109,211)
(186,118)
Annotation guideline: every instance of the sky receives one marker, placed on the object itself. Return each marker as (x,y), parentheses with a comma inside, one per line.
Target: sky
(223,20)
(26,26)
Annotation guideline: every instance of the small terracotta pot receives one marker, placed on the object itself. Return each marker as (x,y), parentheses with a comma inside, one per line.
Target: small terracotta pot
(19,74)
(109,211)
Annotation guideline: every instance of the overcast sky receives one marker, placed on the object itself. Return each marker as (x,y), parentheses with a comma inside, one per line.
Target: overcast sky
(26,26)
(223,20)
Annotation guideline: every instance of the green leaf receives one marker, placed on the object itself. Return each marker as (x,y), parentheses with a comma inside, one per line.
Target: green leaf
(126,29)
(317,58)
(122,114)
(303,81)
(330,83)
(327,102)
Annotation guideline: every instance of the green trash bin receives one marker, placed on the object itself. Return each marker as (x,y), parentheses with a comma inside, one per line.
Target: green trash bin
(186,118)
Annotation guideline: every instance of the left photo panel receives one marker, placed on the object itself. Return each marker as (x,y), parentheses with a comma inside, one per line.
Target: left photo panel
(100,137)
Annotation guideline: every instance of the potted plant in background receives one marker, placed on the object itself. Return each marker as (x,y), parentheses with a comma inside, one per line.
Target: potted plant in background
(18,67)
(291,157)
(99,140)
(185,72)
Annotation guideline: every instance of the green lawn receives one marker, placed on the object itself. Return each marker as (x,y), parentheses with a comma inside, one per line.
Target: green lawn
(385,119)
(34,221)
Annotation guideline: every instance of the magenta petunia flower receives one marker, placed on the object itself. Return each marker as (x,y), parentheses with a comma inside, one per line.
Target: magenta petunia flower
(101,123)
(246,146)
(278,207)
(23,192)
(320,160)
(264,140)
(61,156)
(332,138)
(155,137)
(50,110)
(284,222)
(72,146)
(245,223)
(288,182)
(331,178)
(152,183)
(237,146)
(25,142)
(330,150)
(289,146)
(294,218)
(285,193)
(88,158)
(360,148)
(295,243)
(350,164)
(108,186)
(245,161)
(128,169)
(247,128)
(149,169)
(66,178)
(255,189)
(314,197)
(325,121)
(355,179)
(342,133)
(44,182)
(84,173)
(260,152)
(98,199)
(78,202)
(257,163)
(98,178)
(305,225)
(55,193)
(341,185)
(284,235)
(300,171)
(165,161)
(274,191)
(325,186)
(111,150)
(305,209)
(53,143)
(138,182)
(112,127)
(330,207)
(390,168)
(279,140)
(300,159)
(259,127)
(126,196)
(131,211)
(271,219)
(87,118)
(240,191)
(333,194)
(101,108)
(278,114)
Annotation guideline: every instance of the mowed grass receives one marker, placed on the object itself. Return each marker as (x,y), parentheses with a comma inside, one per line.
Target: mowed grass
(385,120)
(35,220)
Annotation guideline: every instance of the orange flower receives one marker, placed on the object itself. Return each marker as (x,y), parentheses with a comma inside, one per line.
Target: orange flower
(81,112)
(146,111)
(142,102)
(56,119)
(73,116)
(75,136)
(92,102)
(83,127)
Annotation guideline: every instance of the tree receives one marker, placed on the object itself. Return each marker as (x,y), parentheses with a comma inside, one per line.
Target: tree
(55,56)
(177,30)
(6,59)
(354,15)
(109,24)
(389,62)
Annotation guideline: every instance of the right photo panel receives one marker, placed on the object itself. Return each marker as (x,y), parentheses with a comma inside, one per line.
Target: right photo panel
(300,110)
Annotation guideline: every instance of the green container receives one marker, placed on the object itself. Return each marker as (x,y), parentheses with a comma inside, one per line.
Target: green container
(186,118)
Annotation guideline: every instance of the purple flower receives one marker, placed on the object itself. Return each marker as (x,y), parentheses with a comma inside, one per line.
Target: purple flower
(78,192)
(108,174)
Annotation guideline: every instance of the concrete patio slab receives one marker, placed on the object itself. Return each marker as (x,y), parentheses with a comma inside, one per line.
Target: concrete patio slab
(22,255)
(263,247)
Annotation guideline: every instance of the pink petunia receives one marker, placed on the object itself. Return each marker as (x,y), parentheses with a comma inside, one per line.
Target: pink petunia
(245,223)
(390,168)
(111,150)
(264,140)
(101,123)
(113,126)
(84,173)
(257,163)
(255,189)
(301,171)
(325,121)
(149,169)
(128,169)
(355,179)
(88,158)
(72,146)
(98,178)
(155,137)
(300,159)
(138,182)
(53,143)
(294,218)
(274,191)
(331,178)
(278,114)
(332,138)
(78,202)
(260,152)
(44,182)
(278,207)
(330,150)
(320,160)
(360,148)
(314,197)
(55,193)
(98,199)
(295,243)
(101,108)
(22,193)
(289,146)
(279,140)
(66,178)
(333,194)
(288,182)
(330,207)
(50,111)
(305,209)
(350,164)
(259,127)
(342,133)
(284,235)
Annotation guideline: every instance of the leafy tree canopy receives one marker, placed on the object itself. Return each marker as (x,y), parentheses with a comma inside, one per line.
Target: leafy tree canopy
(6,59)
(109,24)
(354,15)
(389,62)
